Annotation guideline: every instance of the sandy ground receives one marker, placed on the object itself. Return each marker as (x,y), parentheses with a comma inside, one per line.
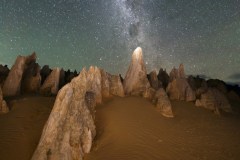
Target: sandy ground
(21,128)
(130,128)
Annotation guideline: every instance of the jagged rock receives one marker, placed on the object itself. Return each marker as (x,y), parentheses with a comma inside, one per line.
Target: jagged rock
(12,85)
(149,93)
(3,104)
(3,74)
(31,80)
(94,78)
(163,103)
(163,77)
(51,84)
(116,87)
(153,80)
(45,72)
(178,88)
(213,99)
(135,81)
(90,99)
(70,129)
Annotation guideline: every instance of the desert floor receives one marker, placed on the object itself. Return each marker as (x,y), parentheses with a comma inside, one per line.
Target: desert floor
(128,128)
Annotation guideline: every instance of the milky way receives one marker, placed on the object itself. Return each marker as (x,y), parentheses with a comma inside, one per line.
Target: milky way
(202,34)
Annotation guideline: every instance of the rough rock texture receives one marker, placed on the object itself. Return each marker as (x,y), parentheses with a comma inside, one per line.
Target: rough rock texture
(163,77)
(51,84)
(94,78)
(153,80)
(12,85)
(3,104)
(214,100)
(31,81)
(70,129)
(135,81)
(178,88)
(111,85)
(163,103)
(62,81)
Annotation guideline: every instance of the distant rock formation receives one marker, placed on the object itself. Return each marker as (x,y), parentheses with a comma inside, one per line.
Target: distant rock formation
(70,75)
(3,74)
(3,104)
(153,80)
(12,85)
(45,72)
(163,77)
(51,84)
(214,100)
(178,88)
(135,81)
(163,103)
(111,85)
(70,129)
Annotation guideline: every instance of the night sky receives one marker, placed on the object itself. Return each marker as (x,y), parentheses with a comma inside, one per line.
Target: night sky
(202,34)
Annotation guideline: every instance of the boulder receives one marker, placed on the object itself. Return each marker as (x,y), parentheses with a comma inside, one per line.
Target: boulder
(3,104)
(51,84)
(214,100)
(153,80)
(163,104)
(163,77)
(135,81)
(70,129)
(12,85)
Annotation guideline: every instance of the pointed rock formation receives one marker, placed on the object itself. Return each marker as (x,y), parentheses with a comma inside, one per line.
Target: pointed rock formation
(51,84)
(12,85)
(3,104)
(163,103)
(70,129)
(135,81)
(178,88)
(45,72)
(214,100)
(163,77)
(153,80)
(105,84)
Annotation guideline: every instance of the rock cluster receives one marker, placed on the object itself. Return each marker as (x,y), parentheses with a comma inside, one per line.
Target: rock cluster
(179,88)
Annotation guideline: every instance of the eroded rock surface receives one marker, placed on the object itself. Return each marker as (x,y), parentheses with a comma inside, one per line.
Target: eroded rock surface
(3,104)
(135,81)
(70,129)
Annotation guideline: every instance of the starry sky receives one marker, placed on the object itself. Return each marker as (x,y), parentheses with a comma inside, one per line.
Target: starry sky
(202,34)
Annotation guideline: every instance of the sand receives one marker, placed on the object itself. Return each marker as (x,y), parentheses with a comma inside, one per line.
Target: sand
(21,128)
(130,129)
